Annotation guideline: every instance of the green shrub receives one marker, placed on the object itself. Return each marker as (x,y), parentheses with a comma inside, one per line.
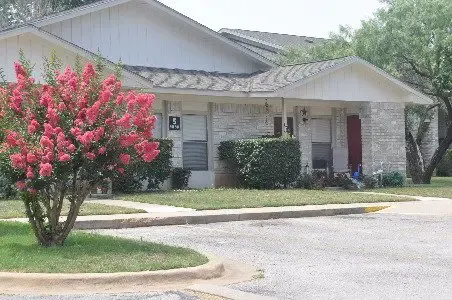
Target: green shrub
(345,182)
(393,179)
(265,163)
(370,182)
(8,178)
(306,181)
(179,178)
(155,172)
(445,166)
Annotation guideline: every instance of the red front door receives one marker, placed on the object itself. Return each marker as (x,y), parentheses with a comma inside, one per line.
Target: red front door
(355,148)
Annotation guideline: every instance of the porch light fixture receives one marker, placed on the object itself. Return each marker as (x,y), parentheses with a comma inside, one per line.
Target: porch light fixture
(304,114)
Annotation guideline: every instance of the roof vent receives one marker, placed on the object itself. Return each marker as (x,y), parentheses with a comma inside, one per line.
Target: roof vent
(309,41)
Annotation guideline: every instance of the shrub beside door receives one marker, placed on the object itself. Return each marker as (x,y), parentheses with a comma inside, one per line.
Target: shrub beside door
(266,163)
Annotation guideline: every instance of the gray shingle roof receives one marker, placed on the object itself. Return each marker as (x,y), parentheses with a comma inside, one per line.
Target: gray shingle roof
(267,81)
(282,40)
(270,45)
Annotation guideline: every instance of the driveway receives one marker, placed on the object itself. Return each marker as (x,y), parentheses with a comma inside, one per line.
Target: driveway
(370,256)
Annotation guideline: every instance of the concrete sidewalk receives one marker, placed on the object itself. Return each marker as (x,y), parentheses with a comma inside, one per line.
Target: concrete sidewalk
(221,215)
(161,215)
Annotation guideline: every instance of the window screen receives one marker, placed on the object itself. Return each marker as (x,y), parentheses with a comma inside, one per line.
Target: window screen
(194,152)
(277,126)
(321,143)
(321,130)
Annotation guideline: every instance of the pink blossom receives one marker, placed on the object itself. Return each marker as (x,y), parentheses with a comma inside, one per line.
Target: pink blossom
(63,157)
(45,170)
(32,190)
(88,72)
(90,155)
(30,174)
(125,158)
(33,126)
(102,150)
(31,158)
(21,185)
(18,161)
(121,170)
(124,121)
(150,156)
(46,142)
(71,148)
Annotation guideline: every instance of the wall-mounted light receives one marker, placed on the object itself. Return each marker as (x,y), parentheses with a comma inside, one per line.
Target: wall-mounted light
(304,114)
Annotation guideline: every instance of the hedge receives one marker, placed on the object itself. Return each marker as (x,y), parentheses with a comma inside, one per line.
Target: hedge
(444,168)
(265,163)
(155,172)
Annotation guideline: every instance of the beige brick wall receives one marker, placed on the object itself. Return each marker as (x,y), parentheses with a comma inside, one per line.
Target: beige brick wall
(383,137)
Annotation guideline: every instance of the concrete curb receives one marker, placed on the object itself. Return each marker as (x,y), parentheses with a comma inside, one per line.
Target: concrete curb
(220,216)
(24,283)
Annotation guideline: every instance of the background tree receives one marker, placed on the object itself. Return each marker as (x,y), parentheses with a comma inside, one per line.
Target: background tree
(412,40)
(66,136)
(15,12)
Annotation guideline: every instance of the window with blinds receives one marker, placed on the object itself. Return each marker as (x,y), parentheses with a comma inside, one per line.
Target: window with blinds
(321,143)
(194,148)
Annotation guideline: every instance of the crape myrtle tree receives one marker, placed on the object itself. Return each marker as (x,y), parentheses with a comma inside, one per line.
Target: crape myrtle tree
(412,40)
(65,136)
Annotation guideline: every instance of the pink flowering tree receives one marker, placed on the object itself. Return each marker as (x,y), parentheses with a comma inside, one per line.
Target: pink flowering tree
(64,137)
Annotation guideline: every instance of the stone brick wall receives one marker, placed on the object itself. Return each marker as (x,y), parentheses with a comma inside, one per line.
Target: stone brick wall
(237,121)
(303,132)
(175,109)
(383,137)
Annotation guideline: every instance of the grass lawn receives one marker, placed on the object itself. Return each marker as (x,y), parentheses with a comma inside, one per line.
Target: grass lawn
(88,253)
(440,187)
(15,209)
(240,198)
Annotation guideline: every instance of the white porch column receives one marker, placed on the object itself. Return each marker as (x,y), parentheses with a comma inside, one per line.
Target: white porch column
(284,117)
(302,124)
(174,109)
(340,142)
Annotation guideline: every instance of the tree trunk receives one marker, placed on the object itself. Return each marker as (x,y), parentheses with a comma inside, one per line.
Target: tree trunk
(47,205)
(414,157)
(438,156)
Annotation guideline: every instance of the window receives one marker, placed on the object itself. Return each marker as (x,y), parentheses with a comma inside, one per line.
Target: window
(277,127)
(321,143)
(157,132)
(194,149)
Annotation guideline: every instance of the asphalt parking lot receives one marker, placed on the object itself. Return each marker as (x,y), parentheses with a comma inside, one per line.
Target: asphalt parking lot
(372,256)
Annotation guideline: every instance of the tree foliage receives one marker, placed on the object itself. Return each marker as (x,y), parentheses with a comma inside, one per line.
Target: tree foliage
(15,12)
(64,137)
(412,40)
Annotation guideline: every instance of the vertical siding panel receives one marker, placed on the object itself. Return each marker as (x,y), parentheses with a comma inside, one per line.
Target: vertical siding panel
(104,32)
(96,33)
(76,29)
(66,30)
(115,37)
(86,31)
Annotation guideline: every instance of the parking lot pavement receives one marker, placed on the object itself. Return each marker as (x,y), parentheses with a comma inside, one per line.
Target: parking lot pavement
(370,256)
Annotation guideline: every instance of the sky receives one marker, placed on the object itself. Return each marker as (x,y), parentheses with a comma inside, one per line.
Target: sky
(316,18)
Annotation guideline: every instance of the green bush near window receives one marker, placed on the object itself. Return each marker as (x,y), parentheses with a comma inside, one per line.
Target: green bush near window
(266,163)
(155,172)
(179,178)
(393,179)
(445,166)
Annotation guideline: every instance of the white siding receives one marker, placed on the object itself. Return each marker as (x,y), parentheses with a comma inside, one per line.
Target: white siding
(35,49)
(352,83)
(140,35)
